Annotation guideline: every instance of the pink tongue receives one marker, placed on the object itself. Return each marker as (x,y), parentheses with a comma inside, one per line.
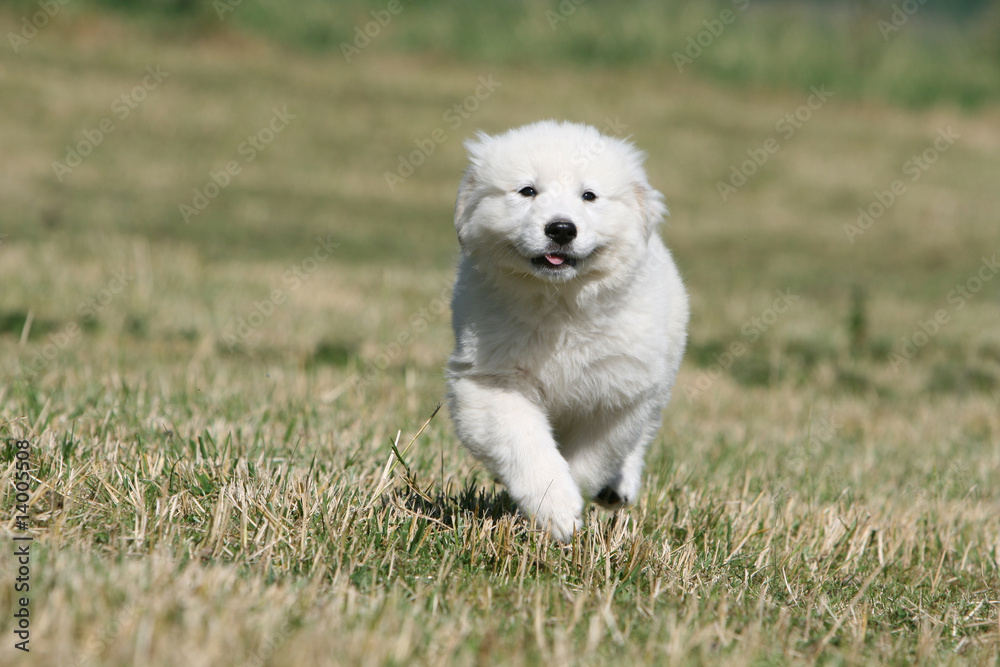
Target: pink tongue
(555,259)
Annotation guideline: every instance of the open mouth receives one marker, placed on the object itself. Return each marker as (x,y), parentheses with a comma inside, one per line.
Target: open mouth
(555,261)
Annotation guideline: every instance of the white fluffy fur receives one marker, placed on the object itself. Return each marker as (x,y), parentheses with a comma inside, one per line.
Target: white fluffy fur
(559,377)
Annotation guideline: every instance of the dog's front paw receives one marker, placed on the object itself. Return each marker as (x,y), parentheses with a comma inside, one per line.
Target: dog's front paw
(559,512)
(561,525)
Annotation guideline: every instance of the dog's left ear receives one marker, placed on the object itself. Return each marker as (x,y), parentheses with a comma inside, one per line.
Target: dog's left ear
(651,206)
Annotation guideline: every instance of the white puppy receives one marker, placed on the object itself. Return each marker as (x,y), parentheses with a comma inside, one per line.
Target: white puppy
(570,318)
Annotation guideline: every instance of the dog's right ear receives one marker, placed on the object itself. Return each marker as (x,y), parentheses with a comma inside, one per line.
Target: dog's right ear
(463,202)
(465,190)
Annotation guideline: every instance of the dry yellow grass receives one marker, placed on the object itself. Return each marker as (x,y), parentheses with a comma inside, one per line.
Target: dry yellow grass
(200,500)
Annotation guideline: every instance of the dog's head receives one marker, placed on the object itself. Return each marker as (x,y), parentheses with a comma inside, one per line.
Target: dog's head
(555,201)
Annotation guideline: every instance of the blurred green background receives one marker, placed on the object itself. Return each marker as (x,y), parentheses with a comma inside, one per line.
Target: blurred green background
(948,52)
(364,106)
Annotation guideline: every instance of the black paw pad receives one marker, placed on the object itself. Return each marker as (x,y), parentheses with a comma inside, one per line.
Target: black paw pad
(609,497)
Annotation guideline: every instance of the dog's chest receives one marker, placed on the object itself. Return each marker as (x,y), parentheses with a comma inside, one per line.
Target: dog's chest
(588,368)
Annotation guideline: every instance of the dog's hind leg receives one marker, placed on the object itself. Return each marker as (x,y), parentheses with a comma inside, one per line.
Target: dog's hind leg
(621,483)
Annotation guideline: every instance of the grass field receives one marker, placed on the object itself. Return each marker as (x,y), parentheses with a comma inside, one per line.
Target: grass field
(210,393)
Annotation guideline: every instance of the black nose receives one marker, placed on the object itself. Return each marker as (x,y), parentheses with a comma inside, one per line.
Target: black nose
(561,231)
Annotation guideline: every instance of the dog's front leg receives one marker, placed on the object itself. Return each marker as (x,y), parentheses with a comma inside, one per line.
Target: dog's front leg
(511,435)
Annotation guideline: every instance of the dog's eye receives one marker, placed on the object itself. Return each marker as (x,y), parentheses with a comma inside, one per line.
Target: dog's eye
(527,191)
(589,196)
